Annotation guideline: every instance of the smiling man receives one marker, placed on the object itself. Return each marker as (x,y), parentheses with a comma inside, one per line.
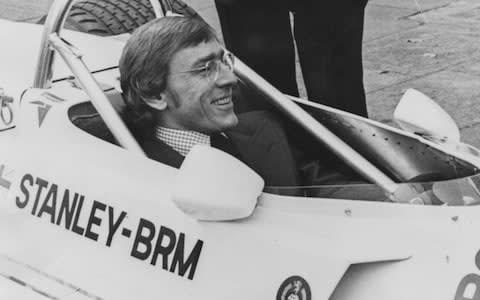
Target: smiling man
(178,82)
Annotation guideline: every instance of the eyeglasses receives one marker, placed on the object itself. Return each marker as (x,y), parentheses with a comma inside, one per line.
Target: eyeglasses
(211,69)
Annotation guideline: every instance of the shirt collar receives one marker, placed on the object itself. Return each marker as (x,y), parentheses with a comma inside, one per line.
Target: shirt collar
(181,141)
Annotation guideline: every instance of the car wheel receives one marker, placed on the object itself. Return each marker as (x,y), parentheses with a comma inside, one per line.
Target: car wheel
(109,17)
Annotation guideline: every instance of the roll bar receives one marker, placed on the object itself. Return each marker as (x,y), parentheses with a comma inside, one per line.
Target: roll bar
(334,143)
(51,42)
(73,59)
(53,25)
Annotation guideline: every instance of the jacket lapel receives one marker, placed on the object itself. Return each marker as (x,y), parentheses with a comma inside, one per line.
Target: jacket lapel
(163,153)
(263,146)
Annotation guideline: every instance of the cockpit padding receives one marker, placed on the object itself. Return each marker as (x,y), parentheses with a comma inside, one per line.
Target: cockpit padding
(85,116)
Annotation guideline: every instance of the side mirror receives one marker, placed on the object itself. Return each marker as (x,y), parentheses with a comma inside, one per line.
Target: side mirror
(419,114)
(212,185)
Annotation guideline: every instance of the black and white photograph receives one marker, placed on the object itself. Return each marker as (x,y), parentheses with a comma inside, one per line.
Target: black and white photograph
(239,149)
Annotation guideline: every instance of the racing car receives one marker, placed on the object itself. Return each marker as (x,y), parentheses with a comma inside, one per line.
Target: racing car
(85,215)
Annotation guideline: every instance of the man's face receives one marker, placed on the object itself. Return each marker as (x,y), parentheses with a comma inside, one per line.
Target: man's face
(195,101)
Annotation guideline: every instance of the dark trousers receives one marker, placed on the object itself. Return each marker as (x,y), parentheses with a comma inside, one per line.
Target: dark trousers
(329,40)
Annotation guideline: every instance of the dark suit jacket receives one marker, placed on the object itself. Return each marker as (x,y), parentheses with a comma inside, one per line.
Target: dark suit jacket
(258,140)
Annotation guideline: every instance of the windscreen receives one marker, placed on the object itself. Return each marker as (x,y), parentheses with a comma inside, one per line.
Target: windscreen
(456,192)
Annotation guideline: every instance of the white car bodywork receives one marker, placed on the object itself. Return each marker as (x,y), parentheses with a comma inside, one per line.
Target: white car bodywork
(81,218)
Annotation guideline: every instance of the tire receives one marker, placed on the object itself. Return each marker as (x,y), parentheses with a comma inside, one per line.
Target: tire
(109,17)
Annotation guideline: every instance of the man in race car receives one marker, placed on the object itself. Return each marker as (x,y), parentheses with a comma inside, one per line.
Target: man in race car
(178,81)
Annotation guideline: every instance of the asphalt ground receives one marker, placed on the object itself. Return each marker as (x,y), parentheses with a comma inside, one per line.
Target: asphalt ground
(429,45)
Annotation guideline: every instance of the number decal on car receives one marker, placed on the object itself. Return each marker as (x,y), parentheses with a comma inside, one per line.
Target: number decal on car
(6,112)
(469,286)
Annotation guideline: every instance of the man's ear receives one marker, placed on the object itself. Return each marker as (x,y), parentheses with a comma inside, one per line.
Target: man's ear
(158,103)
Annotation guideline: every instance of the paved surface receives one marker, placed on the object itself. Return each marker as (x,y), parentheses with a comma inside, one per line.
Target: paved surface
(430,45)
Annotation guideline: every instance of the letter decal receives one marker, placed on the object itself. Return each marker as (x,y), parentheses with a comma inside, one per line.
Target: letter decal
(69,210)
(50,209)
(41,185)
(192,260)
(141,239)
(165,250)
(114,225)
(66,209)
(469,286)
(18,201)
(76,228)
(94,220)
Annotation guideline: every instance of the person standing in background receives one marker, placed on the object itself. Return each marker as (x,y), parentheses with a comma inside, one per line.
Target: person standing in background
(259,33)
(329,41)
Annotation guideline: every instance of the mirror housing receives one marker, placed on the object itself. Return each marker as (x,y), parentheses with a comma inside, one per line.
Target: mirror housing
(419,114)
(212,185)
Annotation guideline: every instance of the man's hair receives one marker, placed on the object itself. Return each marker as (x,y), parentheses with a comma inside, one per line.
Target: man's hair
(144,64)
